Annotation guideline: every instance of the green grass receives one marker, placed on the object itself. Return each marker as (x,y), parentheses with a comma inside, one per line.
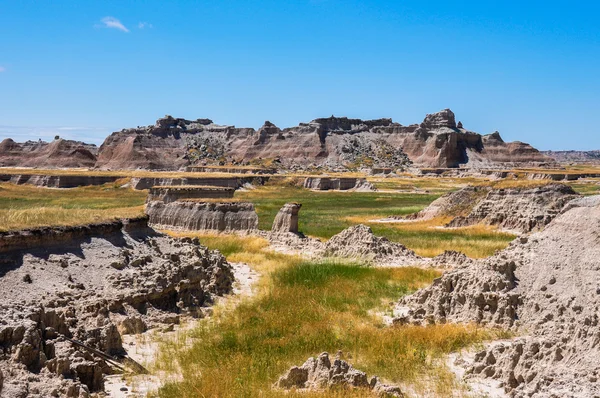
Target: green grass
(325,214)
(304,309)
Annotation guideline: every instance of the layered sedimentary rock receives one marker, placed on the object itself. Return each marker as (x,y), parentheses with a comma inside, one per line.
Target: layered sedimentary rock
(57,181)
(286,219)
(518,209)
(337,184)
(56,154)
(170,194)
(203,216)
(545,287)
(92,284)
(331,143)
(229,182)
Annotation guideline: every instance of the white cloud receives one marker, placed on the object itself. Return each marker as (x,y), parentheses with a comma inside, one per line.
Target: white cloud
(145,25)
(114,23)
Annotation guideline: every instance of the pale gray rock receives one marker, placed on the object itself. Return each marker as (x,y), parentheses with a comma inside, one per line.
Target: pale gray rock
(544,287)
(286,219)
(318,374)
(203,216)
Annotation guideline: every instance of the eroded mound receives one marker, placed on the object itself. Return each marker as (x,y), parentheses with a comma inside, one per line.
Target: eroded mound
(544,287)
(318,374)
(359,242)
(92,284)
(519,209)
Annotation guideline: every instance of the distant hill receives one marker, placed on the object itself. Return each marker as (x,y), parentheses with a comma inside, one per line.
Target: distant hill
(574,156)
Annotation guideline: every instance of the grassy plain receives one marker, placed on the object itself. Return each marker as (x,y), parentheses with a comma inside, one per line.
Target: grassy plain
(325,214)
(24,206)
(302,309)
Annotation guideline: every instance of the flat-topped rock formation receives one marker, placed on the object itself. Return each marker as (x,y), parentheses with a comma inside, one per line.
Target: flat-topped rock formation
(337,184)
(227,182)
(333,143)
(203,216)
(232,169)
(168,194)
(56,154)
(545,288)
(57,181)
(93,284)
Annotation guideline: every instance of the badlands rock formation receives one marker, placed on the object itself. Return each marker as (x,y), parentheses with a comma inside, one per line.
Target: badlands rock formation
(338,184)
(92,284)
(359,242)
(202,216)
(332,143)
(58,153)
(286,219)
(318,374)
(545,287)
(57,181)
(168,194)
(519,210)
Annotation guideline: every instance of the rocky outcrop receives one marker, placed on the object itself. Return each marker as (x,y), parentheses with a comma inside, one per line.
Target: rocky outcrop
(452,204)
(58,181)
(56,154)
(170,194)
(337,184)
(87,284)
(319,374)
(287,219)
(545,288)
(335,143)
(520,210)
(359,242)
(227,182)
(203,216)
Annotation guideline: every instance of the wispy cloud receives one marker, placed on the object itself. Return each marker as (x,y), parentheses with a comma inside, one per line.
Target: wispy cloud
(145,25)
(114,23)
(2,69)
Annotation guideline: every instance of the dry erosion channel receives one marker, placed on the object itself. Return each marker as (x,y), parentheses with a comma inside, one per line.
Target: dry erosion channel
(189,259)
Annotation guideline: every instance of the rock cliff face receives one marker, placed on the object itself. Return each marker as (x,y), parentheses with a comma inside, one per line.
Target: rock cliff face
(57,181)
(337,184)
(58,153)
(545,287)
(332,143)
(168,194)
(203,216)
(92,284)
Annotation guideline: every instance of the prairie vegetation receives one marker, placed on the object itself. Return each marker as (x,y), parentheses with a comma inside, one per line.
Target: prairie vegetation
(24,206)
(325,214)
(302,309)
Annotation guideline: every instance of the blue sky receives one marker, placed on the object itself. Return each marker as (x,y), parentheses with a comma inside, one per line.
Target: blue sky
(84,69)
